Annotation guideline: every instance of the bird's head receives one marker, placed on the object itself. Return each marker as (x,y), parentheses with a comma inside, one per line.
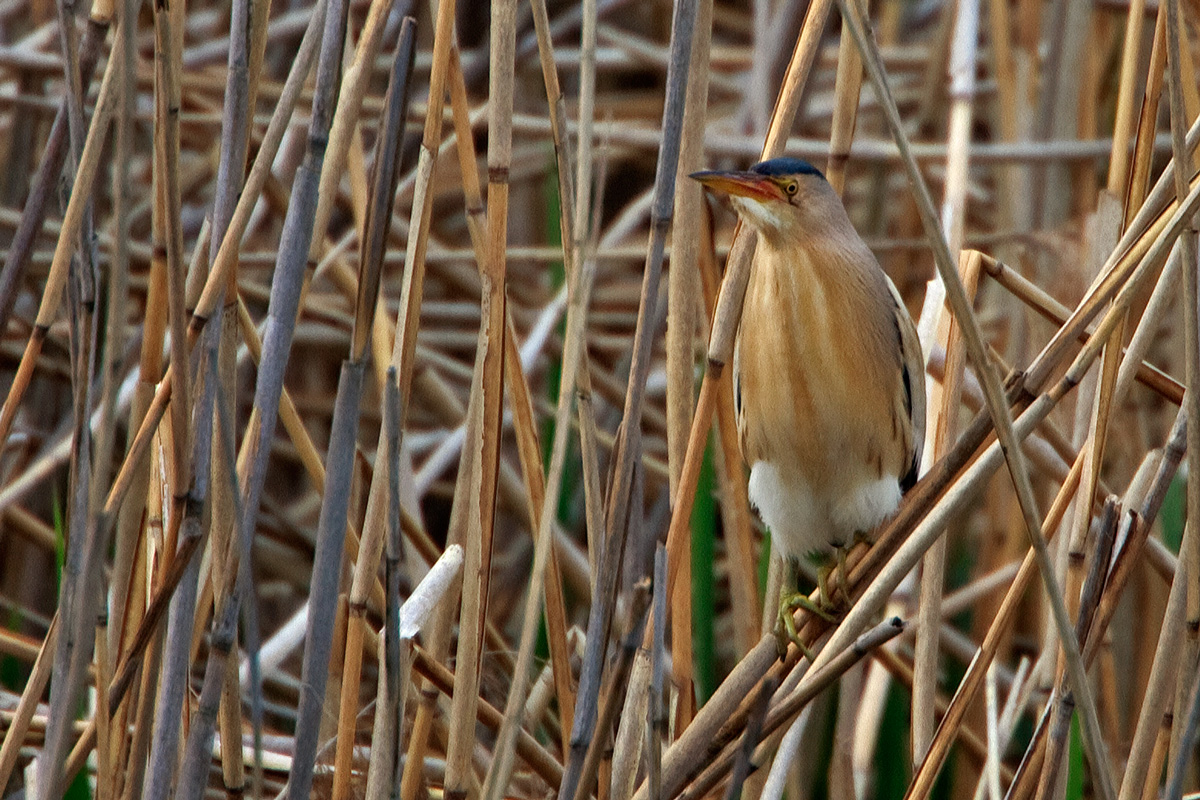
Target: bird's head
(776,196)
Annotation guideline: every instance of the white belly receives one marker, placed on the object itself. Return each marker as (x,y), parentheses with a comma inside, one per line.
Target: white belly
(804,522)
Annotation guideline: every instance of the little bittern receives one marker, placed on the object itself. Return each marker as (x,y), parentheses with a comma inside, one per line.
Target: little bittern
(828,373)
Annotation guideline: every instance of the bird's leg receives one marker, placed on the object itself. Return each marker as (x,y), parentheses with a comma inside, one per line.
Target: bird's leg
(843,575)
(835,597)
(789,600)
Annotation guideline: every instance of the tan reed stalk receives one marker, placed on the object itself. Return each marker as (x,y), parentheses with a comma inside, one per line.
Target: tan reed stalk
(735,506)
(1189,550)
(68,239)
(16,731)
(683,299)
(114,336)
(589,446)
(546,580)
(847,88)
(944,400)
(546,577)
(407,321)
(168,41)
(1118,162)
(487,394)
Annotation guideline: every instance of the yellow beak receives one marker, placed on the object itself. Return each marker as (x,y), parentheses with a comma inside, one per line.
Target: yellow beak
(741,184)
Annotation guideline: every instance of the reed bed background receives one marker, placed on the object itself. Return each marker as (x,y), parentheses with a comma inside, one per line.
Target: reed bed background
(368,428)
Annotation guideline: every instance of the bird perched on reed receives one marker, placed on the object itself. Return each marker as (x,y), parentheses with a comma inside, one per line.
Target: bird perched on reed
(828,372)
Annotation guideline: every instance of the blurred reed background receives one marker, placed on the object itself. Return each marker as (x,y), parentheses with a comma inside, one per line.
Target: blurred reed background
(300,301)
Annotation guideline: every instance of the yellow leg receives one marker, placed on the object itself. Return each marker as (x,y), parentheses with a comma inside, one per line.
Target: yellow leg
(843,577)
(786,631)
(835,597)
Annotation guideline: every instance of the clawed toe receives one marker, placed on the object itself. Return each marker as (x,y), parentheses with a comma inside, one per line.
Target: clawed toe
(785,629)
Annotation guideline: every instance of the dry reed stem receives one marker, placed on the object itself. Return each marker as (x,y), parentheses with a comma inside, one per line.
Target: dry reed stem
(1189,549)
(379,211)
(408,319)
(944,399)
(546,581)
(683,298)
(999,411)
(68,239)
(846,90)
(736,515)
(481,455)
(628,445)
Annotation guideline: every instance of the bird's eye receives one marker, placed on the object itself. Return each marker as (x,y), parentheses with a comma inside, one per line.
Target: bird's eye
(791,187)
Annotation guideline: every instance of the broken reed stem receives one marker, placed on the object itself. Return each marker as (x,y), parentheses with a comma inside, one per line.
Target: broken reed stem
(735,505)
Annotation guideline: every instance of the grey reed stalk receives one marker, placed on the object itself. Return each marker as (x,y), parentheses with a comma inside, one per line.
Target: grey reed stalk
(383,776)
(290,267)
(198,752)
(327,568)
(624,455)
(331,525)
(289,273)
(372,247)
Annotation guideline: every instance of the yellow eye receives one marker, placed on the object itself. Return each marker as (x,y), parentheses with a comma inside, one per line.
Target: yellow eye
(791,187)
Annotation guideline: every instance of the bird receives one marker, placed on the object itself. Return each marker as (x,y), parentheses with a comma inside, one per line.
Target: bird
(828,374)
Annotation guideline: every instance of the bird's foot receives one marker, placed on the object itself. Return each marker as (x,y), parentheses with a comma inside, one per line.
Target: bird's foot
(785,628)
